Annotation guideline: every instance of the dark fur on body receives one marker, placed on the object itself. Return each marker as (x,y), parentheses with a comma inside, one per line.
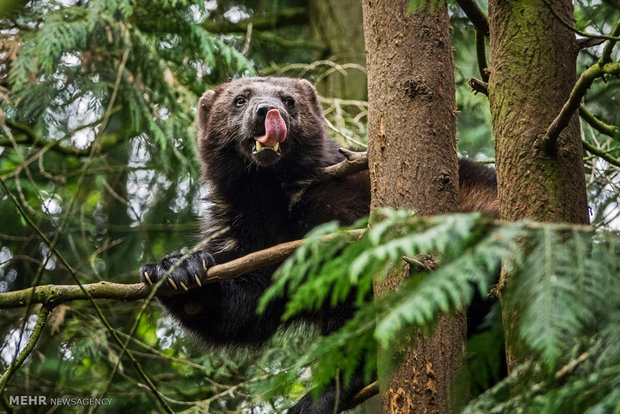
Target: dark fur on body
(259,198)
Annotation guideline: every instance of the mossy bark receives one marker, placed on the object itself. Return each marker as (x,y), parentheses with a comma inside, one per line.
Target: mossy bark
(413,163)
(532,73)
(533,70)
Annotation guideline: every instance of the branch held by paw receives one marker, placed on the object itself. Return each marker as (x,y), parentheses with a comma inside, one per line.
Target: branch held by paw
(56,294)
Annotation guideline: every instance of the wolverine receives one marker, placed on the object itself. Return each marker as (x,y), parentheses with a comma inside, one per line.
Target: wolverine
(263,147)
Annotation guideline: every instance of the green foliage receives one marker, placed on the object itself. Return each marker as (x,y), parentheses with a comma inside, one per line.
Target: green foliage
(324,273)
(61,63)
(565,283)
(97,140)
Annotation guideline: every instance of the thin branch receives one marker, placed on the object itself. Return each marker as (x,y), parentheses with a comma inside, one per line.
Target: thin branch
(481,56)
(32,341)
(606,55)
(579,32)
(570,367)
(579,90)
(475,15)
(587,42)
(592,149)
(30,137)
(293,43)
(56,294)
(283,18)
(611,130)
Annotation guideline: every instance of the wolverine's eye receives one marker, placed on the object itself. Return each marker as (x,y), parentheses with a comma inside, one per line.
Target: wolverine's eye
(289,102)
(240,101)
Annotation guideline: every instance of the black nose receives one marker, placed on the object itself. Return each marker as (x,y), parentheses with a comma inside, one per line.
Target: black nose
(262,109)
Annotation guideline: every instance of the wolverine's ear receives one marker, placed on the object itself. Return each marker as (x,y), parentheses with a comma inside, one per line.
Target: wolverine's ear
(204,107)
(310,93)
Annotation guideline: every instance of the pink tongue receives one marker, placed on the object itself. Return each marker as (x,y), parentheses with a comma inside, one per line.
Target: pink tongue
(275,129)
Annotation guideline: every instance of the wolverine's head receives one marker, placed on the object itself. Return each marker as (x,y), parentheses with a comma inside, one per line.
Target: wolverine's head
(261,121)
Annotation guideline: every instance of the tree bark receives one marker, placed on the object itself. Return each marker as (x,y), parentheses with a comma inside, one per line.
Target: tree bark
(532,73)
(413,163)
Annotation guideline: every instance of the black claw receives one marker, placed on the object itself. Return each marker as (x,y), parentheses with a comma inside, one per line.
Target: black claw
(185,274)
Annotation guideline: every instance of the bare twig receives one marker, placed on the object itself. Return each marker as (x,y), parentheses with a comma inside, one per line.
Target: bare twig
(606,55)
(30,137)
(34,337)
(587,42)
(481,56)
(282,18)
(570,367)
(611,130)
(475,15)
(592,149)
(574,100)
(424,263)
(575,30)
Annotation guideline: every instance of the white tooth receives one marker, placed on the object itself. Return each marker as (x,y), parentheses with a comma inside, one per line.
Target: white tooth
(275,147)
(259,147)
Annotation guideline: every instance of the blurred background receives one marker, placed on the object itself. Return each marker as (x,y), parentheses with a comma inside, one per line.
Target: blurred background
(98,147)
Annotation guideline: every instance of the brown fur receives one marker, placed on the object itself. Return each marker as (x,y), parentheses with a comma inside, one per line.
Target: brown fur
(262,198)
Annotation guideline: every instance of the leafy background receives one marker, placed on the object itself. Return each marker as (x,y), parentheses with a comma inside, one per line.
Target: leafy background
(97,144)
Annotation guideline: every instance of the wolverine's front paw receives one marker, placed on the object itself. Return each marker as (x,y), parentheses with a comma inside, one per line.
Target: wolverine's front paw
(182,274)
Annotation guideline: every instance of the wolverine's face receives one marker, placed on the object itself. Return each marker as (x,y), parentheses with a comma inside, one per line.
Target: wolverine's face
(264,113)
(265,119)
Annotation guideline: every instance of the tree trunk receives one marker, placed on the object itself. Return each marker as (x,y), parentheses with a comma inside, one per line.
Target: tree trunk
(413,163)
(532,73)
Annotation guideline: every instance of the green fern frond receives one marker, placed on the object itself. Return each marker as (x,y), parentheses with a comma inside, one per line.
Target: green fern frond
(561,287)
